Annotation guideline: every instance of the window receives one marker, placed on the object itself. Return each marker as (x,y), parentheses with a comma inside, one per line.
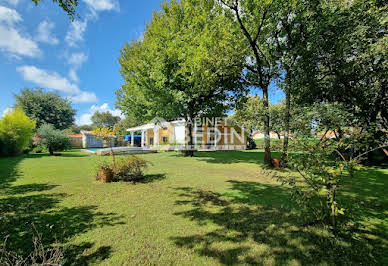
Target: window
(151,141)
(164,139)
(199,140)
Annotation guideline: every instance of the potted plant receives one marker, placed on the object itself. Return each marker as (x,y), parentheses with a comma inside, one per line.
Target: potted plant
(105,172)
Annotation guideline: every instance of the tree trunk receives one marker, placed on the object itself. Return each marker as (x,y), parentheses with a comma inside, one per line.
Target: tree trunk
(51,151)
(286,124)
(190,152)
(267,144)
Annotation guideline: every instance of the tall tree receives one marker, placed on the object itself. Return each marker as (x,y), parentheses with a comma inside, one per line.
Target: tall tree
(46,108)
(346,60)
(290,41)
(254,19)
(188,64)
(104,119)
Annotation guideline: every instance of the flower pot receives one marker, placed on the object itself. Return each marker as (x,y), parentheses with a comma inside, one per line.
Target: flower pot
(106,175)
(276,162)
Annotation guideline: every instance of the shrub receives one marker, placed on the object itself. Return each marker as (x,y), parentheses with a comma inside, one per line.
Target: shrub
(16,130)
(53,139)
(130,169)
(251,144)
(126,169)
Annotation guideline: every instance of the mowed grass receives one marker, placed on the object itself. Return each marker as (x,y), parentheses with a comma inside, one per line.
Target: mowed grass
(215,208)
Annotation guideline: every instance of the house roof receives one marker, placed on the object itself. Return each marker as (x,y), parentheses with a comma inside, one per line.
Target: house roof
(75,136)
(142,127)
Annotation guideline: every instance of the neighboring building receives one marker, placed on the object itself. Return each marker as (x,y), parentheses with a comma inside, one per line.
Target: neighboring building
(76,140)
(260,135)
(225,135)
(90,140)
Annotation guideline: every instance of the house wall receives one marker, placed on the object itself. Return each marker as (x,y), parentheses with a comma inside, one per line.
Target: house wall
(225,140)
(76,142)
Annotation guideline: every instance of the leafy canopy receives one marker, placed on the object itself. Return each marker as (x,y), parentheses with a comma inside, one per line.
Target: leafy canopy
(16,130)
(188,64)
(53,139)
(104,119)
(46,108)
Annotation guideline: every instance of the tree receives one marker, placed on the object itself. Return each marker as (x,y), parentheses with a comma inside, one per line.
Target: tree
(290,42)
(46,108)
(104,119)
(129,121)
(67,5)
(250,115)
(347,61)
(53,139)
(254,19)
(87,127)
(188,64)
(278,118)
(16,130)
(107,134)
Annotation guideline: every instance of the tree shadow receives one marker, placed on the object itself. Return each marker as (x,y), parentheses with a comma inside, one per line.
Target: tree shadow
(23,215)
(70,154)
(256,224)
(73,257)
(230,157)
(151,178)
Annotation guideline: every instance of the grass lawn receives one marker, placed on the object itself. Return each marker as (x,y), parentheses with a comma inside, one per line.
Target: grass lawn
(215,208)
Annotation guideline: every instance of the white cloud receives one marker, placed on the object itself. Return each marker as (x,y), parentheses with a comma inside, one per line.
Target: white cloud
(73,75)
(49,80)
(103,5)
(76,60)
(85,119)
(84,97)
(44,33)
(11,2)
(76,32)
(9,15)
(11,40)
(52,80)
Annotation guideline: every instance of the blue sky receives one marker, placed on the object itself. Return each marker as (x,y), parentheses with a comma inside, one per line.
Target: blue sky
(41,47)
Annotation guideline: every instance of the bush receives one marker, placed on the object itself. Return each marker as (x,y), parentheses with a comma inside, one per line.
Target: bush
(126,169)
(16,130)
(251,144)
(53,139)
(130,169)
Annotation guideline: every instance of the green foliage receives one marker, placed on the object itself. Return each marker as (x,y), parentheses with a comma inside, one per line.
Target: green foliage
(74,129)
(87,127)
(250,115)
(16,130)
(325,162)
(129,121)
(347,59)
(104,119)
(129,168)
(53,139)
(67,5)
(46,108)
(187,64)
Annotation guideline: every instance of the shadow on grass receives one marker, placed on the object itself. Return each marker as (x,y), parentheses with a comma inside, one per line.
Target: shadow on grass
(229,157)
(57,154)
(20,212)
(151,178)
(255,224)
